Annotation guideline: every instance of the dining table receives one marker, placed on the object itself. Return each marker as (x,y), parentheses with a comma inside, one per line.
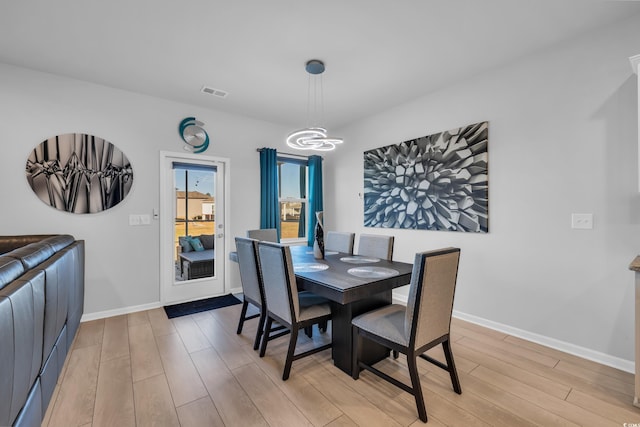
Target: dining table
(353,284)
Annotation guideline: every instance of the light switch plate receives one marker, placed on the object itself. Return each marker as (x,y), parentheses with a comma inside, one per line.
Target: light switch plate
(582,221)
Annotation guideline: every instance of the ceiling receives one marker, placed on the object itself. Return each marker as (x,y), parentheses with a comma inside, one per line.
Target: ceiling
(378,53)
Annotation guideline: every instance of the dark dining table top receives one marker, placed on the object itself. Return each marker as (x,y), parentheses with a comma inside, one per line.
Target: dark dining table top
(345,278)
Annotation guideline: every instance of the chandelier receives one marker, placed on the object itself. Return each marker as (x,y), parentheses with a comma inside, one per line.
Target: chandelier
(313,137)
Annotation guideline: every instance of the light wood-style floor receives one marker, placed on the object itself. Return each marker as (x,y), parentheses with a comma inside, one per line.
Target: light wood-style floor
(143,369)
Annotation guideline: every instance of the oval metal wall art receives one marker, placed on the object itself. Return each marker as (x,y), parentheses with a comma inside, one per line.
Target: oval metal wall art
(79,173)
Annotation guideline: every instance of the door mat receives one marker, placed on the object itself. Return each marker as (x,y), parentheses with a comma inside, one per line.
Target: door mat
(198,306)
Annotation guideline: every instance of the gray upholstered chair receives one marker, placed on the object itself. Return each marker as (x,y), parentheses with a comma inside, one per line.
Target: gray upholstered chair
(375,245)
(424,323)
(283,303)
(264,234)
(252,288)
(339,241)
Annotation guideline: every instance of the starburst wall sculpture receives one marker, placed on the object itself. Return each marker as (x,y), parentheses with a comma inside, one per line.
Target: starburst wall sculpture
(436,182)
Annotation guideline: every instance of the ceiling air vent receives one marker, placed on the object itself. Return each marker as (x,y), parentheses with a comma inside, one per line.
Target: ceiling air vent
(213,91)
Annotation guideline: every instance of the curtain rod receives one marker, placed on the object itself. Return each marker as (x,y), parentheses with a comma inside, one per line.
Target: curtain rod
(288,154)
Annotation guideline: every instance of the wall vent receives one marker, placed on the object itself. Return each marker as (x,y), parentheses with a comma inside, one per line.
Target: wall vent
(213,91)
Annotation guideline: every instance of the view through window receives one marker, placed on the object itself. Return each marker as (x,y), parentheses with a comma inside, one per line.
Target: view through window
(194,230)
(292,192)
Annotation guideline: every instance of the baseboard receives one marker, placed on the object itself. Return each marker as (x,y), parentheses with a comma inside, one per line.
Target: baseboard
(235,291)
(119,311)
(583,352)
(135,308)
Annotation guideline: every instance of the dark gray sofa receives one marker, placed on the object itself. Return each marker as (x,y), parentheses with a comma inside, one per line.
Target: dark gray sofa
(41,303)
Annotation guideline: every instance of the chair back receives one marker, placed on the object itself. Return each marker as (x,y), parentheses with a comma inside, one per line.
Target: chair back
(375,245)
(279,280)
(247,250)
(264,234)
(430,302)
(339,241)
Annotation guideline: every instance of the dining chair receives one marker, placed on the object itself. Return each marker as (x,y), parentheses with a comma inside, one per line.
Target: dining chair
(376,245)
(424,323)
(252,288)
(339,241)
(253,293)
(283,304)
(264,234)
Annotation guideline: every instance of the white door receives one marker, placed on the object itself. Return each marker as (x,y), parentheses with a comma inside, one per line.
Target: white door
(192,226)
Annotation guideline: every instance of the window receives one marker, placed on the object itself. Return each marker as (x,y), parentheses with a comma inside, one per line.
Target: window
(195,204)
(292,198)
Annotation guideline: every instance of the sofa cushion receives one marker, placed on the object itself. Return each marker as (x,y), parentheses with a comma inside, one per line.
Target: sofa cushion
(59,242)
(207,240)
(31,414)
(6,360)
(32,254)
(185,245)
(10,269)
(196,244)
(27,305)
(59,274)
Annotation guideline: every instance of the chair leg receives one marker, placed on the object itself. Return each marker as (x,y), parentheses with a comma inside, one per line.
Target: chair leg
(260,330)
(322,326)
(243,314)
(308,330)
(448,354)
(290,352)
(265,338)
(415,385)
(396,354)
(355,365)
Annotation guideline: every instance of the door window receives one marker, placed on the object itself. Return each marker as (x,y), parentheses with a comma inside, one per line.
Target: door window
(194,227)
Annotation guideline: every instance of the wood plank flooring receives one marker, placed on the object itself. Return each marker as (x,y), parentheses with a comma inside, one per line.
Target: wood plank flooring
(146,370)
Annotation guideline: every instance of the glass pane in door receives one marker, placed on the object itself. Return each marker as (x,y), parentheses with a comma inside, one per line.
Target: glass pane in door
(194,229)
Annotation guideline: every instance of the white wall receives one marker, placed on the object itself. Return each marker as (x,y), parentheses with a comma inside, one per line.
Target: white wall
(562,139)
(122,267)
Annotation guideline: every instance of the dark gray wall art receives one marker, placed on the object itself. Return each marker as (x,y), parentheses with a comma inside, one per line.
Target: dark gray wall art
(79,173)
(436,182)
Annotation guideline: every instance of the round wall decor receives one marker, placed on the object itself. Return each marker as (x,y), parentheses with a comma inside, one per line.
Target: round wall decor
(79,173)
(193,134)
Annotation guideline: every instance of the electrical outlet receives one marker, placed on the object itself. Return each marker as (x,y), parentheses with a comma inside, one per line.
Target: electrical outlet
(582,221)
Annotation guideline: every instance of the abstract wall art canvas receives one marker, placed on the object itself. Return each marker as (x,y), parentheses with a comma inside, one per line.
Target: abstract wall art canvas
(436,182)
(79,173)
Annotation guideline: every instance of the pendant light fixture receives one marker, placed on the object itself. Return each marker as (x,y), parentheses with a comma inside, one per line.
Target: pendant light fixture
(313,137)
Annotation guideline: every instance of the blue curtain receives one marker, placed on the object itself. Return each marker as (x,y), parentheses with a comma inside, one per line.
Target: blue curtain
(269,210)
(315,194)
(302,222)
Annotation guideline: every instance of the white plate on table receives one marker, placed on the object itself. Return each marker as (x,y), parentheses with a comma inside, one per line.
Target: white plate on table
(359,259)
(309,267)
(373,272)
